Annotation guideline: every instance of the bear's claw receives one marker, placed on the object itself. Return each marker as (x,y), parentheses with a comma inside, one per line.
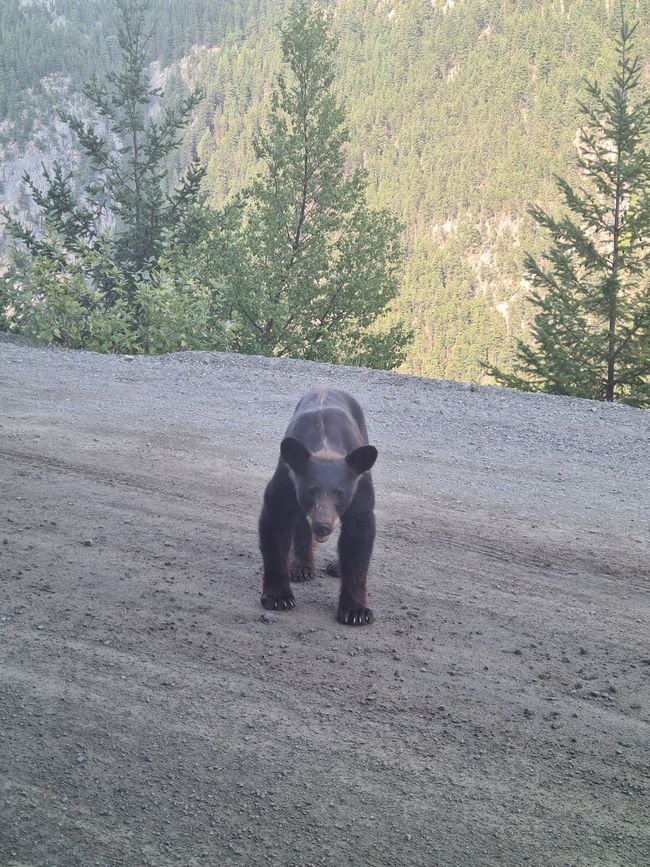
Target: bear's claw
(354,616)
(302,573)
(278,601)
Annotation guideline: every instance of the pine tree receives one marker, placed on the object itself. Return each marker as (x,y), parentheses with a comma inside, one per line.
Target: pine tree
(128,185)
(591,330)
(310,266)
(117,268)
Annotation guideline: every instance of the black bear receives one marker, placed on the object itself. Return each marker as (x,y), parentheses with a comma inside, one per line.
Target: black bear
(322,478)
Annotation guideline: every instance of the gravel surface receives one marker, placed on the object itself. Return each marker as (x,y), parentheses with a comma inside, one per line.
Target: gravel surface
(496,713)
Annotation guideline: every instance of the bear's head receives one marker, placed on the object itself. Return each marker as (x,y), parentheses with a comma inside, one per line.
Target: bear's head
(325,482)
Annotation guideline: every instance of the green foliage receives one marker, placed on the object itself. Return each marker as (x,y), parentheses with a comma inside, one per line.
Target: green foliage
(129,182)
(34,46)
(167,308)
(72,39)
(111,271)
(309,266)
(48,300)
(460,117)
(591,330)
(179,306)
(459,113)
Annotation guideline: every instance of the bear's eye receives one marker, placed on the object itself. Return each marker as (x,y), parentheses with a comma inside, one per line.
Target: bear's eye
(313,491)
(339,494)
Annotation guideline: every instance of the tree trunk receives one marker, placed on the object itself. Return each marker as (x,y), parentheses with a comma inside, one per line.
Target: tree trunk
(613,294)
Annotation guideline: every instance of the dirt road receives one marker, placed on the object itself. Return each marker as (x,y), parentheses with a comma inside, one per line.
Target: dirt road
(496,713)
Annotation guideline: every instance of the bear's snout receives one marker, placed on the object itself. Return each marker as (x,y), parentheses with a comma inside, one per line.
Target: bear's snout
(322,532)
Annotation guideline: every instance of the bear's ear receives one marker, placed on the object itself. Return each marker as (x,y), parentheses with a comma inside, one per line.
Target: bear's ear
(362,459)
(295,454)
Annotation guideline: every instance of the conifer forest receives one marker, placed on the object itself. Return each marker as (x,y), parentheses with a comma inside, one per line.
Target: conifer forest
(452,188)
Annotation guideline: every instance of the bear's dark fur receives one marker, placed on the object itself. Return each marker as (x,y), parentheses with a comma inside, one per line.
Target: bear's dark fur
(322,478)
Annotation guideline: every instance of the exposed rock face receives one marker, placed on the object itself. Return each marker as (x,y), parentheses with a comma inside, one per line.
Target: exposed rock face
(51,142)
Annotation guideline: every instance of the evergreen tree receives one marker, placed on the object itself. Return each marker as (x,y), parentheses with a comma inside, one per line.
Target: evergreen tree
(591,330)
(309,266)
(107,250)
(128,177)
(459,116)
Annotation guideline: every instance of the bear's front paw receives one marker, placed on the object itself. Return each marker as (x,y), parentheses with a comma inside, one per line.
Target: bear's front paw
(301,572)
(280,601)
(354,616)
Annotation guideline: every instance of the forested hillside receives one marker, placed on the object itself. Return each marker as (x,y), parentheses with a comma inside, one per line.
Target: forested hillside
(461,111)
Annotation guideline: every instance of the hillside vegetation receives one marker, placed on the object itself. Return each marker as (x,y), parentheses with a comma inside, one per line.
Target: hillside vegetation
(461,112)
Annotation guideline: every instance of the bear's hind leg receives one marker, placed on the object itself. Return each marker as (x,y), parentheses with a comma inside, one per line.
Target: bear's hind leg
(332,568)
